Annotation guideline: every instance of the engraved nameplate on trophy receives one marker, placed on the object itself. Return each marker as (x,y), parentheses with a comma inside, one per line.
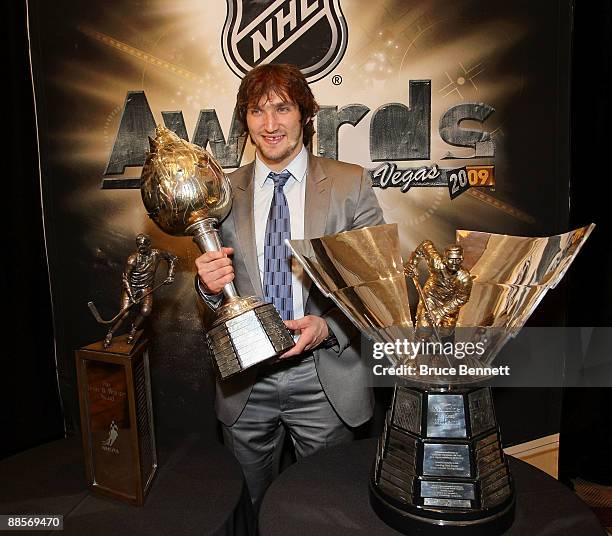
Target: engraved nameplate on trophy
(497,497)
(440,459)
(407,410)
(482,417)
(448,503)
(117,419)
(445,416)
(455,491)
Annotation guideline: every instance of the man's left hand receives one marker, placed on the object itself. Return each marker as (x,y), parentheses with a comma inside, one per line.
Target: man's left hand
(313,331)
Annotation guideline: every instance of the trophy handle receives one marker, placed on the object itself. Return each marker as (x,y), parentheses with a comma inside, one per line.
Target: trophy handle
(206,236)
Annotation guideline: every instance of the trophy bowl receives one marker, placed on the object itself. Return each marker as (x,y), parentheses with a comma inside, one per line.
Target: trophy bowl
(185,192)
(182,185)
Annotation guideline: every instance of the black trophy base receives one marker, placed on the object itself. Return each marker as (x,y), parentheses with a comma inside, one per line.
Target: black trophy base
(440,464)
(412,520)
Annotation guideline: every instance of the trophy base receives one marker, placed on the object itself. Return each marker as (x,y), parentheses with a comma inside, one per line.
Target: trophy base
(117,418)
(246,332)
(440,464)
(412,521)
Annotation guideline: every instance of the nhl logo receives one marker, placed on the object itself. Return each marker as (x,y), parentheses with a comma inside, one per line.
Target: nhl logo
(311,34)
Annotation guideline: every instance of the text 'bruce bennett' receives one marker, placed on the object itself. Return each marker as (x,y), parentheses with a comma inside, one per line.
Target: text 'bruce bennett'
(428,370)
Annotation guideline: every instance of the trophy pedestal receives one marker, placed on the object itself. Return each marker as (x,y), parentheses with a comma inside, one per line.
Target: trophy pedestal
(440,465)
(116,418)
(246,331)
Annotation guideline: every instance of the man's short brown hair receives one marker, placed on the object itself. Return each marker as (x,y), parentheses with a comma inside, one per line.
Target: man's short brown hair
(288,82)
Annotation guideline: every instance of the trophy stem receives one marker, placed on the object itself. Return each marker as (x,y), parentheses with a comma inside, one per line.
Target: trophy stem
(206,236)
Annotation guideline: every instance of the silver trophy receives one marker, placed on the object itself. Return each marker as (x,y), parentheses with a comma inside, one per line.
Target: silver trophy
(440,463)
(186,193)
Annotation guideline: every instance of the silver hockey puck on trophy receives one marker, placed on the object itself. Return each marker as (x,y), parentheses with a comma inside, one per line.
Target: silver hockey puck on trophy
(186,193)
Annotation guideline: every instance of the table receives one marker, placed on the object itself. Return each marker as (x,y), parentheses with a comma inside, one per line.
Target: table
(327,494)
(199,489)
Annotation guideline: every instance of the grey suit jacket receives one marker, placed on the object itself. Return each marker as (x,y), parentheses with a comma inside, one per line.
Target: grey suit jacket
(339,197)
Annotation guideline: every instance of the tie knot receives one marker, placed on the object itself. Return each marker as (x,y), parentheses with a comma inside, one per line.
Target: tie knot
(279,178)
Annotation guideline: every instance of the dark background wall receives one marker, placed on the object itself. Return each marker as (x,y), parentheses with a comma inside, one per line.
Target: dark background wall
(31,409)
(586,425)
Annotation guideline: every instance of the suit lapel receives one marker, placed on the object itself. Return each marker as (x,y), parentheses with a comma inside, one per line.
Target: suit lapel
(316,207)
(243,222)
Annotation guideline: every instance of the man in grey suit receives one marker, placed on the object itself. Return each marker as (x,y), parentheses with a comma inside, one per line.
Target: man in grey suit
(318,391)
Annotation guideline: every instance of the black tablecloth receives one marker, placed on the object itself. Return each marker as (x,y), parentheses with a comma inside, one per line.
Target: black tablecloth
(327,494)
(198,489)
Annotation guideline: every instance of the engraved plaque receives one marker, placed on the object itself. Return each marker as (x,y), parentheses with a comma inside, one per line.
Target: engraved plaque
(446,460)
(403,451)
(402,442)
(249,340)
(486,440)
(449,503)
(487,450)
(407,410)
(394,491)
(398,480)
(110,427)
(489,457)
(495,486)
(489,464)
(482,417)
(402,471)
(447,490)
(489,481)
(497,497)
(445,416)
(400,460)
(408,442)
(280,338)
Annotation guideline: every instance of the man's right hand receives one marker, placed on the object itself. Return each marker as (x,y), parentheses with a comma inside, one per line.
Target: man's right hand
(215,270)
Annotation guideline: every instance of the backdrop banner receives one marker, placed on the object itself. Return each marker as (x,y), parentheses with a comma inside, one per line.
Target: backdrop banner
(459,109)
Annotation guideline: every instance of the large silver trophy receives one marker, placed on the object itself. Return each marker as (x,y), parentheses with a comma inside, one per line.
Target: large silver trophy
(440,464)
(186,193)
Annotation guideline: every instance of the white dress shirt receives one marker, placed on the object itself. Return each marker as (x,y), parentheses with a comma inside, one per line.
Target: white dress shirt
(295,192)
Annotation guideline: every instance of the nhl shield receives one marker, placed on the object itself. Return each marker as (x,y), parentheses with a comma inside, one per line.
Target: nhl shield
(311,34)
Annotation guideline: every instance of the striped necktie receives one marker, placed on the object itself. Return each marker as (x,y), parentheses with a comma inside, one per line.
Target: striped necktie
(277,256)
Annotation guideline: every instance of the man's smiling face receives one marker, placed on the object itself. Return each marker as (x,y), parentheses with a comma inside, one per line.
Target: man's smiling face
(275,127)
